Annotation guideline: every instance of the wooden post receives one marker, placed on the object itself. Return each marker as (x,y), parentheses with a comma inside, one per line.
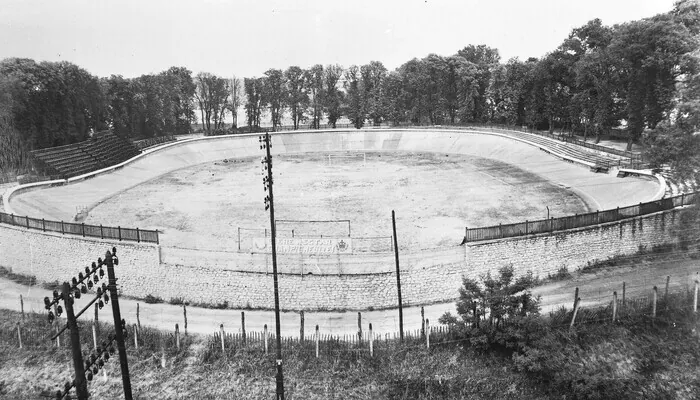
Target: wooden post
(21,306)
(177,336)
(63,231)
(138,320)
(576,297)
(58,337)
(653,304)
(83,227)
(427,334)
(614,307)
(317,340)
(102,234)
(27,219)
(162,352)
(43,225)
(222,333)
(138,235)
(94,337)
(576,307)
(184,311)
(301,326)
(136,337)
(243,336)
(19,334)
(119,229)
(359,327)
(266,337)
(668,278)
(624,292)
(422,321)
(371,341)
(695,297)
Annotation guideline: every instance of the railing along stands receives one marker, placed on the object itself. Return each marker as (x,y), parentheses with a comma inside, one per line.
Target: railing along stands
(577,221)
(68,228)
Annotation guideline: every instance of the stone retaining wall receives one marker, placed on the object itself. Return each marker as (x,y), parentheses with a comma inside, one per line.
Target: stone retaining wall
(427,276)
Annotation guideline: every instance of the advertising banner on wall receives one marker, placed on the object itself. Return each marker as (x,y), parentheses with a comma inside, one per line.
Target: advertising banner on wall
(311,246)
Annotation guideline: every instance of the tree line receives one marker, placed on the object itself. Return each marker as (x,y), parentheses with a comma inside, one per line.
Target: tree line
(632,76)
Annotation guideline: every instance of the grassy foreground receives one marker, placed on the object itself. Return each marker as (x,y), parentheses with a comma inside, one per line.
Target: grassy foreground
(200,371)
(533,359)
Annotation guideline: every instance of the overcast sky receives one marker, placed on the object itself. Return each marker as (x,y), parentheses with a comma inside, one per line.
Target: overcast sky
(247,37)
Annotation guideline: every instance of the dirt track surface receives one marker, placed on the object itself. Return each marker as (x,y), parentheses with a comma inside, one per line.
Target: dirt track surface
(435,197)
(594,289)
(601,191)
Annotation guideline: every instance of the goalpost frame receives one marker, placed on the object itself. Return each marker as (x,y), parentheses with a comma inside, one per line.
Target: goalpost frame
(316,221)
(343,155)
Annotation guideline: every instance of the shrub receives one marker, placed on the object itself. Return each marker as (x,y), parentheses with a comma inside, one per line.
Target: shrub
(561,274)
(150,299)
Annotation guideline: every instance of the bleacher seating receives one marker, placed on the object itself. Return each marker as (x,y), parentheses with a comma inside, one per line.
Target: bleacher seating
(602,161)
(100,151)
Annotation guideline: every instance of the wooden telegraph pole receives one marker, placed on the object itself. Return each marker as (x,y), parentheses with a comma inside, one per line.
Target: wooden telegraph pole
(398,274)
(270,204)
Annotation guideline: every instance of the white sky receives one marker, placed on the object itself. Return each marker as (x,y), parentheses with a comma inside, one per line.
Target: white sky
(246,37)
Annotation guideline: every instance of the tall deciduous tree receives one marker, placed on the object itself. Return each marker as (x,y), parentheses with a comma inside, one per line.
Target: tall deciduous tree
(332,96)
(372,75)
(354,104)
(297,96)
(255,100)
(236,99)
(485,58)
(651,55)
(314,77)
(212,96)
(275,95)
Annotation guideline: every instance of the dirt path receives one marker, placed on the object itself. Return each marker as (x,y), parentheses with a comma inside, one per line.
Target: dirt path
(594,288)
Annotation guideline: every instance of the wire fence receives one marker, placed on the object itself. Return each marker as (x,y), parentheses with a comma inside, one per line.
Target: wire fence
(84,230)
(577,221)
(662,305)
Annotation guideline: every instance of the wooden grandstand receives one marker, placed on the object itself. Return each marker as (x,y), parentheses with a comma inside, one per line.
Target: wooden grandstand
(102,150)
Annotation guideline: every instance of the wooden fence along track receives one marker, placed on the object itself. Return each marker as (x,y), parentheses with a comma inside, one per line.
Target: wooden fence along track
(661,305)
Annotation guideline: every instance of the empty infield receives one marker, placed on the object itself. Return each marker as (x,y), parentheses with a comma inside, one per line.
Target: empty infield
(435,196)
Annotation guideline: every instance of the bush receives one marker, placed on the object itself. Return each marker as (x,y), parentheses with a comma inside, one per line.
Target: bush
(150,299)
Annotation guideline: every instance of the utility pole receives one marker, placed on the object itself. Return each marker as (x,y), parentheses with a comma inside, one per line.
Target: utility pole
(398,274)
(270,204)
(69,293)
(80,382)
(119,325)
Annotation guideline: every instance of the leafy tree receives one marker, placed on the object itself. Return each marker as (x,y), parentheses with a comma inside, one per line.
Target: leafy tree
(14,152)
(372,75)
(332,97)
(354,106)
(651,55)
(212,95)
(314,77)
(485,58)
(255,100)
(180,89)
(497,300)
(275,95)
(236,99)
(297,96)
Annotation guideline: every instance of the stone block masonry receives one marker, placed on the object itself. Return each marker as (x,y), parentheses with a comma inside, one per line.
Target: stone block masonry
(427,276)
